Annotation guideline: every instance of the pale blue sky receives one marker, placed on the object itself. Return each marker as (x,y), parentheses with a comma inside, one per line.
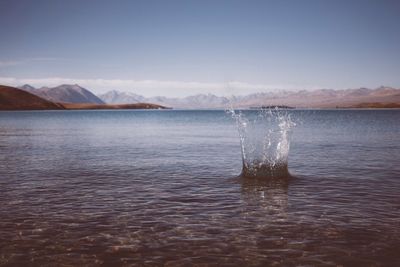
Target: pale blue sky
(185,47)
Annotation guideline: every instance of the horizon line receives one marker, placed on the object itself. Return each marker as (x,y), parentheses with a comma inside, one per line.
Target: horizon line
(154,88)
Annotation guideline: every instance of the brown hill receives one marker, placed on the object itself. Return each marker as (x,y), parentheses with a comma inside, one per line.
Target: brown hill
(16,99)
(377,105)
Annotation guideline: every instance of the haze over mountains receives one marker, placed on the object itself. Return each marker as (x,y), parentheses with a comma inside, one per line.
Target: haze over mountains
(323,98)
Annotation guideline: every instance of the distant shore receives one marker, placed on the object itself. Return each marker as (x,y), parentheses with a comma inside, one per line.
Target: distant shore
(84,106)
(377,105)
(12,98)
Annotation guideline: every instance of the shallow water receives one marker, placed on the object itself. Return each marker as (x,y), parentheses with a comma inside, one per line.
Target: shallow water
(88,188)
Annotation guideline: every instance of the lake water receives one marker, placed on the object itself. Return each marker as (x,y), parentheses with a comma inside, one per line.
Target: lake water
(151,188)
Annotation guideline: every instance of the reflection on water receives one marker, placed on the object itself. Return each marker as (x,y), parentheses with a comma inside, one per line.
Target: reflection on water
(270,195)
(123,188)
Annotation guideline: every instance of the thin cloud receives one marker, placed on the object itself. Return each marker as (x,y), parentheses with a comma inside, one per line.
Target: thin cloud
(10,63)
(46,59)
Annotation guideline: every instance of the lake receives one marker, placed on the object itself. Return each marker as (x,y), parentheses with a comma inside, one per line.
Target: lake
(160,187)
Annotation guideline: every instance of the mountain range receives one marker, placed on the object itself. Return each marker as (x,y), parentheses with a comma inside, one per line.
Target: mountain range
(12,98)
(323,98)
(65,93)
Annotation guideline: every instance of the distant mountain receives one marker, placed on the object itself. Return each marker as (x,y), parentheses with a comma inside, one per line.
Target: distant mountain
(12,98)
(16,99)
(116,97)
(196,101)
(325,98)
(27,87)
(322,98)
(70,94)
(65,93)
(191,102)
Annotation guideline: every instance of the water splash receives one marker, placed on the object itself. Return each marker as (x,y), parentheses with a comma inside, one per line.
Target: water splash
(265,141)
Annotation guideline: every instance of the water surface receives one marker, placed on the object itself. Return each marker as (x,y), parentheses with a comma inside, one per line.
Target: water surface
(120,188)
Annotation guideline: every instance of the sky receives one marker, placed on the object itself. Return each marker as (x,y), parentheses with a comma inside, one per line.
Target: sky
(179,48)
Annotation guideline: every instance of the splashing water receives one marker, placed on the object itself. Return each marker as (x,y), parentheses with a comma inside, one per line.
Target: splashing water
(265,141)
